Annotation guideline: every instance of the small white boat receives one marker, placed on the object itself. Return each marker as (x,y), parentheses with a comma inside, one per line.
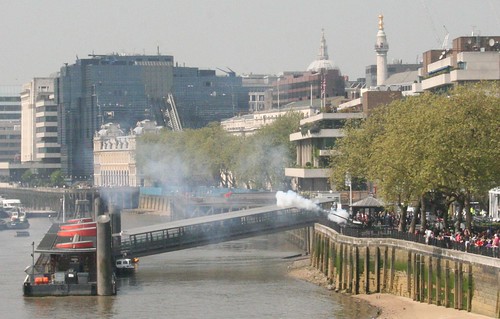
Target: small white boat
(125,266)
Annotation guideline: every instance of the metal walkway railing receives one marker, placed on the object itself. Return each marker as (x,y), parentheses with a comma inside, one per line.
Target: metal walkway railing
(218,228)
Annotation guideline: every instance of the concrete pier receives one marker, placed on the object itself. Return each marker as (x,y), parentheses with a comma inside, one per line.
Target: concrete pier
(105,285)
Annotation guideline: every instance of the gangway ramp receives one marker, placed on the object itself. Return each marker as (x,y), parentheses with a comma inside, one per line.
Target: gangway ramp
(199,231)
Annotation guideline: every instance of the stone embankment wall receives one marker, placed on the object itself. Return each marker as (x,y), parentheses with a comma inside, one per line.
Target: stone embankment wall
(424,273)
(155,203)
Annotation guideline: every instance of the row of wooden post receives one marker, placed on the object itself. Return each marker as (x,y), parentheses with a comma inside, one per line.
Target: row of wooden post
(426,281)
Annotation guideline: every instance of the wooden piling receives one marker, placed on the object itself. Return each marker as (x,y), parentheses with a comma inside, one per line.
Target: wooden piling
(355,271)
(447,284)
(367,270)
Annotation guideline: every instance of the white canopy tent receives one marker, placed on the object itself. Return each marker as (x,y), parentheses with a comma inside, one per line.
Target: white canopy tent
(494,195)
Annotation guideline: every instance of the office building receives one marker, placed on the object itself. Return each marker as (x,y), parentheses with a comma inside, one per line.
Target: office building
(473,58)
(202,97)
(126,89)
(40,149)
(102,89)
(10,124)
(260,91)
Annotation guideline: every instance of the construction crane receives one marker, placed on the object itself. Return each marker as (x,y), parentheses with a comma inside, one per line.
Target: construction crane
(171,115)
(230,73)
(444,46)
(431,21)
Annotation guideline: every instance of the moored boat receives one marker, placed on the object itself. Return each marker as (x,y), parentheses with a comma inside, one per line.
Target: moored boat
(76,245)
(66,266)
(125,266)
(79,220)
(82,232)
(79,225)
(18,224)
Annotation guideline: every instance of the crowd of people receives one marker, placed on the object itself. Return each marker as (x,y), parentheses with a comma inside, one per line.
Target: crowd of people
(487,238)
(456,237)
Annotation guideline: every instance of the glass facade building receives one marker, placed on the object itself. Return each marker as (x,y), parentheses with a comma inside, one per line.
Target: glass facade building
(203,97)
(10,124)
(102,89)
(126,89)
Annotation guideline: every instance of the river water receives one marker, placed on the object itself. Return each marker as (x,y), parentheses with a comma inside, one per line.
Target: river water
(239,279)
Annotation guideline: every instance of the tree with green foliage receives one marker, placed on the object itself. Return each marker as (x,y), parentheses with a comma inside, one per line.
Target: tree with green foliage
(28,178)
(445,143)
(261,161)
(188,158)
(56,178)
(210,156)
(463,161)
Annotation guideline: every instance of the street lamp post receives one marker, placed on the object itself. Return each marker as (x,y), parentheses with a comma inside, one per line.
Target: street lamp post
(278,81)
(348,182)
(32,261)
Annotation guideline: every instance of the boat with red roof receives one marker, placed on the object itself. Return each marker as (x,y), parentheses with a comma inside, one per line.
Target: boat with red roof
(82,232)
(76,244)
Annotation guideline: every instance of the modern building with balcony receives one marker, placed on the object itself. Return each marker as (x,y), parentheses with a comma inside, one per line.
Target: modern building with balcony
(471,59)
(318,137)
(315,143)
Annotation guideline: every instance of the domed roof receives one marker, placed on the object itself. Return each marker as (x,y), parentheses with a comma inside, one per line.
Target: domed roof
(318,65)
(322,63)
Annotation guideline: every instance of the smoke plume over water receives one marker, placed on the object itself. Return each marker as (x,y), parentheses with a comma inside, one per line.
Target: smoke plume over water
(291,198)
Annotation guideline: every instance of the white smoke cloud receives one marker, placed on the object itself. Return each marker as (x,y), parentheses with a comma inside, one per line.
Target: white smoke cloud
(291,198)
(338,215)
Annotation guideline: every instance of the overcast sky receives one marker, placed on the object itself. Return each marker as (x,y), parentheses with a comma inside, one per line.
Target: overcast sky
(253,36)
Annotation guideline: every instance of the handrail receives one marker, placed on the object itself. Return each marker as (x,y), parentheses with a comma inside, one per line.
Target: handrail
(389,232)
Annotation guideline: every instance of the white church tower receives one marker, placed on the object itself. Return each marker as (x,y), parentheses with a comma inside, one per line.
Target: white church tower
(381,47)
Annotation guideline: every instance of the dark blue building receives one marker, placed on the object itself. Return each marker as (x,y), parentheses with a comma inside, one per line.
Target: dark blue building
(202,97)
